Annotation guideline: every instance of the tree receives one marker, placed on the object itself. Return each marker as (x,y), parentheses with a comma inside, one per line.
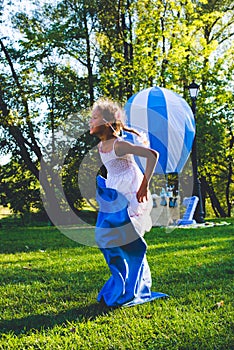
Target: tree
(115,38)
(178,42)
(72,51)
(215,112)
(19,188)
(30,76)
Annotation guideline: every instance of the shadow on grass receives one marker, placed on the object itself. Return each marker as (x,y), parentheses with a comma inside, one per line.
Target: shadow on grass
(32,239)
(38,322)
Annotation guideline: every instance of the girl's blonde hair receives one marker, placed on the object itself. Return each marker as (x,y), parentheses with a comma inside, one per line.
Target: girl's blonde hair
(114,114)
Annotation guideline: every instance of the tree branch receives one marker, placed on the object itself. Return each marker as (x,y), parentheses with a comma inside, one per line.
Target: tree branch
(16,133)
(34,145)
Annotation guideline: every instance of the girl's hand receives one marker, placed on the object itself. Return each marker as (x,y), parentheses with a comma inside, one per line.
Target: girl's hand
(142,194)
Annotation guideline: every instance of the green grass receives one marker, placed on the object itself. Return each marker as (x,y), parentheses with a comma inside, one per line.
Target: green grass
(49,285)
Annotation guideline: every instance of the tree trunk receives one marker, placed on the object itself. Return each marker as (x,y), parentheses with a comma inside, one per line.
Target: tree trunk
(230,174)
(89,63)
(126,33)
(218,210)
(203,195)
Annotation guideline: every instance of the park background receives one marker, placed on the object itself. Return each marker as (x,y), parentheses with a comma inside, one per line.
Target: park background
(57,58)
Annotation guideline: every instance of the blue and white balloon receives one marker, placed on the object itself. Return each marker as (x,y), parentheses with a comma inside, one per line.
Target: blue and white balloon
(168,121)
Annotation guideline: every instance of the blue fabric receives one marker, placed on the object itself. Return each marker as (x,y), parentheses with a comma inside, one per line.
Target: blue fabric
(169,123)
(124,251)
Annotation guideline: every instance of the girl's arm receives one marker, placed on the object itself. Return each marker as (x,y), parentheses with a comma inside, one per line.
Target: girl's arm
(123,147)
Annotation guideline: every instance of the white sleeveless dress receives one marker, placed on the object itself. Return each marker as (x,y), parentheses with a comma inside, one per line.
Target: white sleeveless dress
(124,175)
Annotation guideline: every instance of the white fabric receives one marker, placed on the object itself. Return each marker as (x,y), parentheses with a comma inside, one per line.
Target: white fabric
(176,129)
(124,175)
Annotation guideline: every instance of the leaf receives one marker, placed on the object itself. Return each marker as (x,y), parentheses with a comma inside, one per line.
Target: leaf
(219,304)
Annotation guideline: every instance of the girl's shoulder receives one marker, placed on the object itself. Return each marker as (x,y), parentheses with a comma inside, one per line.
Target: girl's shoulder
(120,147)
(107,146)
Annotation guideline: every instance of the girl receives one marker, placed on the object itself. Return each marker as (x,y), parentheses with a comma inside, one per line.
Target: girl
(121,241)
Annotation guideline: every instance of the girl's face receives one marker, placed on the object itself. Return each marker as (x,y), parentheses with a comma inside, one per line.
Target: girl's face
(96,123)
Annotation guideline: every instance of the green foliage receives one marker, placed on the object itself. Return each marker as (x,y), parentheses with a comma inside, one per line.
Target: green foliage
(215,130)
(50,284)
(19,188)
(70,52)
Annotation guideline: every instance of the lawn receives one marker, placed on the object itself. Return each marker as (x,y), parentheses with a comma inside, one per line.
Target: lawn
(49,285)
